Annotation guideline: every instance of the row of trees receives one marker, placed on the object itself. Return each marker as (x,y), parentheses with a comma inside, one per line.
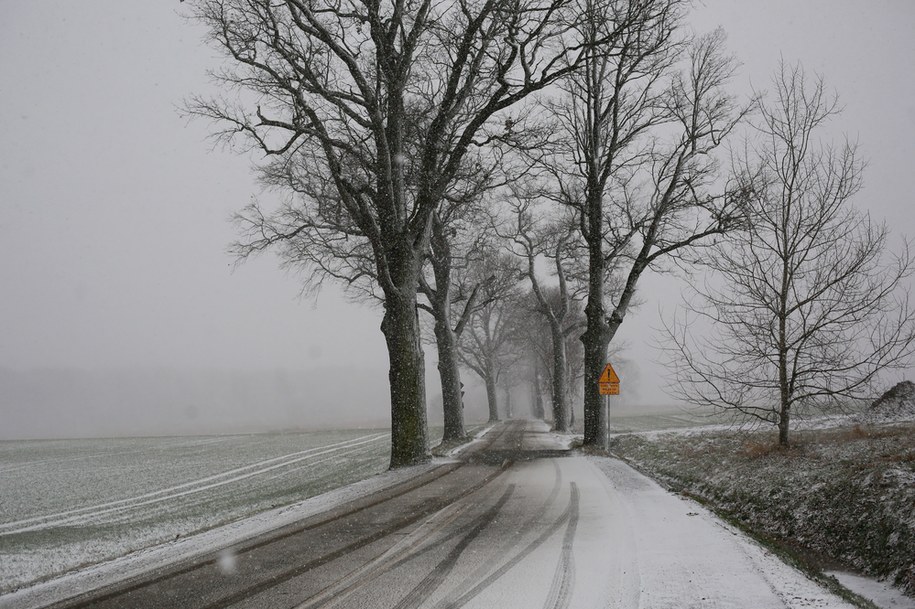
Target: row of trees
(511,341)
(433,157)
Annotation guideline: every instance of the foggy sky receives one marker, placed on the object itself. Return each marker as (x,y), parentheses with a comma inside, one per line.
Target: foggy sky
(114,210)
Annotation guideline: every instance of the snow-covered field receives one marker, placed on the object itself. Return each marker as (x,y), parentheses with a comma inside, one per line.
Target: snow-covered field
(668,418)
(65,504)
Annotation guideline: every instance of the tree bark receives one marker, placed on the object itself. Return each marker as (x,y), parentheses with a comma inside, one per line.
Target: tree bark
(784,389)
(783,296)
(560,405)
(450,376)
(784,421)
(536,395)
(595,341)
(509,414)
(492,396)
(406,372)
(445,338)
(596,337)
(600,331)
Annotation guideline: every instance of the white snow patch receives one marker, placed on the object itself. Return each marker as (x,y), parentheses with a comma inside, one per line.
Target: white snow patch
(681,555)
(477,440)
(880,593)
(564,441)
(824,422)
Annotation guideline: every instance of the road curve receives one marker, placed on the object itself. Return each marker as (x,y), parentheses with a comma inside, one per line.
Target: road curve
(516,522)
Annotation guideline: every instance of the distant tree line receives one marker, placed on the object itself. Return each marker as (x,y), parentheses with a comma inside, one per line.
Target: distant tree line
(508,171)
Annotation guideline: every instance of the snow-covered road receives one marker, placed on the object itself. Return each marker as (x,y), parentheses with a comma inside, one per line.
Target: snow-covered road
(512,524)
(671,552)
(579,532)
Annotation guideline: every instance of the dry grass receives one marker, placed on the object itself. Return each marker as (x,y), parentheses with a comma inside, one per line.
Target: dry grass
(758,449)
(857,432)
(862,432)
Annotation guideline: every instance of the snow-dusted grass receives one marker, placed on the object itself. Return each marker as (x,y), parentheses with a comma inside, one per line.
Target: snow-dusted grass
(845,494)
(65,504)
(669,418)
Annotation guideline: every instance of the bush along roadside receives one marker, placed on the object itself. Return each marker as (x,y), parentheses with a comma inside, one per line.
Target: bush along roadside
(843,495)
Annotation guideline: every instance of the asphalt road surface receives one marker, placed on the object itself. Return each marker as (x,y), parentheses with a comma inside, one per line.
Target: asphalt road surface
(516,521)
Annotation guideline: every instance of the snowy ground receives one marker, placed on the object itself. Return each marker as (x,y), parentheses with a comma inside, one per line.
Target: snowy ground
(145,560)
(335,463)
(545,532)
(843,493)
(880,593)
(670,552)
(599,535)
(692,421)
(69,503)
(577,532)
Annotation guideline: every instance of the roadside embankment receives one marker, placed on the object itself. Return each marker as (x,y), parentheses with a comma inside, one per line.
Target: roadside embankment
(843,496)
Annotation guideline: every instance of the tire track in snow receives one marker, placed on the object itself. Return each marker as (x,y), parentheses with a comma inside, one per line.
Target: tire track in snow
(71,516)
(564,578)
(488,565)
(86,514)
(418,544)
(399,524)
(431,583)
(111,593)
(511,562)
(405,550)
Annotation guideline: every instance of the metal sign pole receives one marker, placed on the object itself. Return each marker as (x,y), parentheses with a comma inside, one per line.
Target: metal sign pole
(608,383)
(607,422)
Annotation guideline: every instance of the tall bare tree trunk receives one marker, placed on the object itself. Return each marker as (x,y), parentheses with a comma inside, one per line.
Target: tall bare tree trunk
(445,338)
(509,413)
(596,337)
(595,346)
(783,385)
(450,375)
(492,396)
(406,372)
(536,394)
(784,422)
(598,334)
(560,404)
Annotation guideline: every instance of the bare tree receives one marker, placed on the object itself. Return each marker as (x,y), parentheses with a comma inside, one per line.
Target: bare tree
(485,345)
(554,242)
(531,337)
(637,162)
(574,326)
(458,236)
(536,390)
(804,306)
(533,341)
(369,109)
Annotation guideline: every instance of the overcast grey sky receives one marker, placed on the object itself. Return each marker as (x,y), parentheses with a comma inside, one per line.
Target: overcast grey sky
(113,209)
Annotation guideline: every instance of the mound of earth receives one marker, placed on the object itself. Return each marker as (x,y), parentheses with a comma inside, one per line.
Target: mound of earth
(896,404)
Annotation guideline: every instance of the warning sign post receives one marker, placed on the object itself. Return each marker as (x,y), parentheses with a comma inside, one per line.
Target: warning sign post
(608,384)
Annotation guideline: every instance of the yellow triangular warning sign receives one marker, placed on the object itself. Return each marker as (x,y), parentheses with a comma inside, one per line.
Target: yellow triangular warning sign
(608,375)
